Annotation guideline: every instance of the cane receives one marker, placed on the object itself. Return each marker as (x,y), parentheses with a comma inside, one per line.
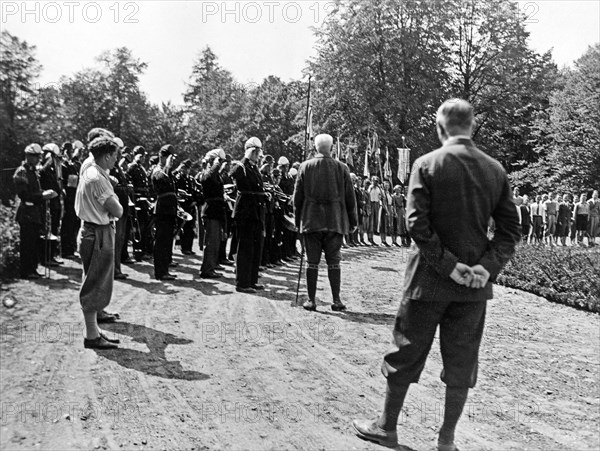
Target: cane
(300,270)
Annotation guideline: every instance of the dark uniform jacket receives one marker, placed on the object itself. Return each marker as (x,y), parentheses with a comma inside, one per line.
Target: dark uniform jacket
(324,197)
(29,190)
(453,192)
(121,189)
(214,206)
(70,175)
(49,180)
(166,199)
(139,179)
(251,198)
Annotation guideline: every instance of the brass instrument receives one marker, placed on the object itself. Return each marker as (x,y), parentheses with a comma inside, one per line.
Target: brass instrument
(277,193)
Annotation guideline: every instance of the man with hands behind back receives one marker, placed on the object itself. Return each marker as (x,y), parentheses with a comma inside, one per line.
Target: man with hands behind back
(453,192)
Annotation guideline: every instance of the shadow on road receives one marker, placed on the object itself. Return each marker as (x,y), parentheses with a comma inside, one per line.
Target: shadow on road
(155,362)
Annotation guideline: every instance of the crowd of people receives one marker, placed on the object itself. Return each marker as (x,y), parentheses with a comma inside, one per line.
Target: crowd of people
(167,203)
(552,219)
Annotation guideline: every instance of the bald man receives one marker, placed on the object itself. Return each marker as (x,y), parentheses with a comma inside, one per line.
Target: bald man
(325,207)
(453,192)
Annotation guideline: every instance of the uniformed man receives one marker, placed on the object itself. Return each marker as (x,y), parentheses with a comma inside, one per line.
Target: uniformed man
(70,221)
(29,213)
(249,216)
(139,179)
(51,178)
(286,184)
(213,212)
(165,212)
(122,192)
(185,183)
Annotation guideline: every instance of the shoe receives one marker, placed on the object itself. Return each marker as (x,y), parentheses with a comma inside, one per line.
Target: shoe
(104,317)
(257,287)
(110,340)
(50,264)
(226,262)
(210,275)
(173,265)
(446,447)
(121,276)
(245,289)
(32,276)
(270,265)
(188,252)
(58,261)
(337,306)
(98,343)
(219,267)
(310,305)
(368,430)
(69,256)
(386,244)
(167,277)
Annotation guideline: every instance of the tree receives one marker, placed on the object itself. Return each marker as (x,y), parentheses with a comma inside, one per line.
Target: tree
(569,136)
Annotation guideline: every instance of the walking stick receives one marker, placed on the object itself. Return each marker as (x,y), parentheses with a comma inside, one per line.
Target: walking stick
(300,270)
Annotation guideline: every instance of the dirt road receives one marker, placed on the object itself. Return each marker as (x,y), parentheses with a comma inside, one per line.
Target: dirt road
(203,367)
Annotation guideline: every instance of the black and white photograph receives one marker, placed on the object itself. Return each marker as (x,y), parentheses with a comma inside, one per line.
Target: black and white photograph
(300,225)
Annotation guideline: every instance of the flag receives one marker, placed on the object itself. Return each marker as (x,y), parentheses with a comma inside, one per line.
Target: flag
(403,164)
(336,152)
(366,171)
(309,127)
(387,168)
(349,156)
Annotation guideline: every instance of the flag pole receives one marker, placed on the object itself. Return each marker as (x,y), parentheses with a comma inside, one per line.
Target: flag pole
(306,129)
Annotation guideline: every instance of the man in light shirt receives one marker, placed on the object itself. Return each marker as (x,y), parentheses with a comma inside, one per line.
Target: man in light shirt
(97,205)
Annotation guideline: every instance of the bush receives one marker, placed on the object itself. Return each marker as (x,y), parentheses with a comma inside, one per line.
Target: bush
(9,243)
(567,275)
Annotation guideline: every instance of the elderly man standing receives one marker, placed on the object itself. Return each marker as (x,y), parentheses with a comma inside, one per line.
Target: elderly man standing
(325,211)
(453,191)
(97,205)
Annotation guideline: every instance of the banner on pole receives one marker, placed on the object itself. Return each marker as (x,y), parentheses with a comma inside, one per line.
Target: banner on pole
(403,164)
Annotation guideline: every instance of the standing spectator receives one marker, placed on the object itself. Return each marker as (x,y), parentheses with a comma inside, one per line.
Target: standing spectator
(453,191)
(386,213)
(581,213)
(97,205)
(30,212)
(399,217)
(365,220)
(537,221)
(594,218)
(525,218)
(563,219)
(325,212)
(550,212)
(375,195)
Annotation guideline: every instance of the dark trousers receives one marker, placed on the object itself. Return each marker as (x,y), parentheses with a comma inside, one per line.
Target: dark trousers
(163,244)
(187,235)
(29,245)
(69,229)
(267,245)
(212,236)
(120,239)
(248,253)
